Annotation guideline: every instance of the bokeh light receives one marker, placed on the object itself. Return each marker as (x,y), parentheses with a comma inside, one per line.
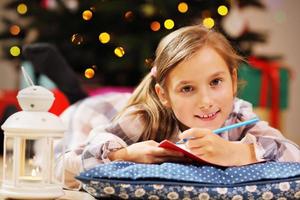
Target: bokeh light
(93,9)
(183,7)
(89,73)
(148,9)
(15,51)
(77,39)
(129,16)
(169,24)
(14,30)
(208,22)
(155,26)
(222,10)
(87,15)
(148,62)
(22,8)
(104,37)
(94,67)
(119,51)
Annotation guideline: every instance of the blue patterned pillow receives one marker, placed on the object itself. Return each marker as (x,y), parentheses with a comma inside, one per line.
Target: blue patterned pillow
(127,179)
(193,173)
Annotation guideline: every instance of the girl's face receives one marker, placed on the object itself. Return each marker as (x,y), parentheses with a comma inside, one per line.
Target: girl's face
(200,90)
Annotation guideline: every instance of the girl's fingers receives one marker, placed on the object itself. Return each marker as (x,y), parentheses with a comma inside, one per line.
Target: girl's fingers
(194,133)
(198,143)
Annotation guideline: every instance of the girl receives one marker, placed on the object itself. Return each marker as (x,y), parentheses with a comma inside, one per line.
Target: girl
(190,91)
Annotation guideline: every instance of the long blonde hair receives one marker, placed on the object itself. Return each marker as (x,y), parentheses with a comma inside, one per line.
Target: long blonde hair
(160,122)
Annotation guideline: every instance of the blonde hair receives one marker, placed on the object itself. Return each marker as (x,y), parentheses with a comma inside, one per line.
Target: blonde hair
(160,122)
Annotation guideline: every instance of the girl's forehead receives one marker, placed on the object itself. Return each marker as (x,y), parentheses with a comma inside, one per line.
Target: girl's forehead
(204,64)
(205,59)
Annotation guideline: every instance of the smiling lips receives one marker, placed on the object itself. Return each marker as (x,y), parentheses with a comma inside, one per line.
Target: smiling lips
(209,116)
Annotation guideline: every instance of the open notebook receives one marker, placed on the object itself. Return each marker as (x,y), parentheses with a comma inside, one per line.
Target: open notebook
(180,147)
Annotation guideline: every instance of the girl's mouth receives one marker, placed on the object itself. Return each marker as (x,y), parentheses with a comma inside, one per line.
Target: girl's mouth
(208,117)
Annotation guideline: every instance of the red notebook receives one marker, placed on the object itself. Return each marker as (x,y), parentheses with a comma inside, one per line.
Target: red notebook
(170,145)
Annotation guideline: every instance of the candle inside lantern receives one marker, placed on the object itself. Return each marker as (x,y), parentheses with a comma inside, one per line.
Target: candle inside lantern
(30,178)
(33,177)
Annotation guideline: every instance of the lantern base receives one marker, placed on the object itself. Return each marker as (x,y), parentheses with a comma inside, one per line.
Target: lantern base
(35,192)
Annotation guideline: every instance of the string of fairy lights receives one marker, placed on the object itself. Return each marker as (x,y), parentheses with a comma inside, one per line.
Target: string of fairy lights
(105,37)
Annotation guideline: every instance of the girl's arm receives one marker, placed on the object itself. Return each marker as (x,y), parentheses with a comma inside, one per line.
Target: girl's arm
(146,152)
(100,141)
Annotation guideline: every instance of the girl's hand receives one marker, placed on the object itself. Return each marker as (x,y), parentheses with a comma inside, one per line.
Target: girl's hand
(214,149)
(147,152)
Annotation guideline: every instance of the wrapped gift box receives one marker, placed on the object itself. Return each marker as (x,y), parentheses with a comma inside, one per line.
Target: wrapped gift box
(266,85)
(252,88)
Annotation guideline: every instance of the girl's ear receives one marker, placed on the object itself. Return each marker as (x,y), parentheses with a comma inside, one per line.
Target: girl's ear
(234,81)
(162,95)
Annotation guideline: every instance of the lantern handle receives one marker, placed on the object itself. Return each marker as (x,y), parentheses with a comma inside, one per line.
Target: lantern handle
(27,77)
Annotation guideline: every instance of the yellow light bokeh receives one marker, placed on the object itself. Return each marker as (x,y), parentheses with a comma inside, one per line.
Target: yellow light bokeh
(104,37)
(22,8)
(169,24)
(208,22)
(155,26)
(89,73)
(148,9)
(222,10)
(119,51)
(15,51)
(14,30)
(183,7)
(87,15)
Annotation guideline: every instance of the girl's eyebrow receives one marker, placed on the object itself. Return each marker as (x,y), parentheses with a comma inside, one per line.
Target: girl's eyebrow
(218,73)
(184,82)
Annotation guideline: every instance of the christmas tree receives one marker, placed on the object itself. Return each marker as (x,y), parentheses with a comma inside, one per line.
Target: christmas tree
(113,42)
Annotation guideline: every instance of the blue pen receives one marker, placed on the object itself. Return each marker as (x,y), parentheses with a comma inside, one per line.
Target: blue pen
(226,128)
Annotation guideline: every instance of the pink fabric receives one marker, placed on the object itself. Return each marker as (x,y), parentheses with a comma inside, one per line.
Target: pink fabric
(108,89)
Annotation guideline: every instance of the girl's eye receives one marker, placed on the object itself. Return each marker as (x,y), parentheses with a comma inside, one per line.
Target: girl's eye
(216,82)
(186,89)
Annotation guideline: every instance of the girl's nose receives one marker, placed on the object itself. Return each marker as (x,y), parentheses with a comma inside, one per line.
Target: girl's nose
(204,101)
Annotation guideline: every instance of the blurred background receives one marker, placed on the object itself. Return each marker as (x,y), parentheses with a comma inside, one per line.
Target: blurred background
(110,45)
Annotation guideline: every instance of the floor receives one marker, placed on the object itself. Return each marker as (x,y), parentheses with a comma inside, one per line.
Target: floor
(69,195)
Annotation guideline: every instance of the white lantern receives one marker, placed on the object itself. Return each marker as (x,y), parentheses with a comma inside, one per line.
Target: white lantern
(29,137)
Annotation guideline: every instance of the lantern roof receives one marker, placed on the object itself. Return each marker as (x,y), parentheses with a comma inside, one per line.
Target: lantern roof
(33,122)
(35,118)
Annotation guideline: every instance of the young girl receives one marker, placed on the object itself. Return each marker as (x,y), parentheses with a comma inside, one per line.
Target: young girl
(190,91)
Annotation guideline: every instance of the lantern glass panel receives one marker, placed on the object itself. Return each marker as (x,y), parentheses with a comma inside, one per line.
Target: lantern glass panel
(40,161)
(8,158)
(31,166)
